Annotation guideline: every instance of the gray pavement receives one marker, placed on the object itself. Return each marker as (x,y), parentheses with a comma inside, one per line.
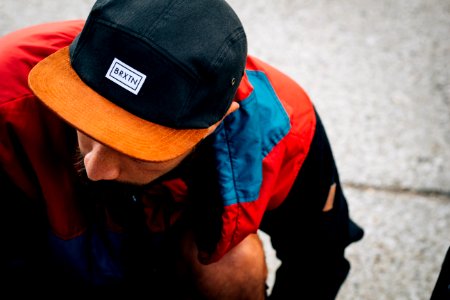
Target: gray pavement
(378,72)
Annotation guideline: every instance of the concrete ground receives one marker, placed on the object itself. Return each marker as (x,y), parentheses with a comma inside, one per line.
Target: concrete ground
(378,72)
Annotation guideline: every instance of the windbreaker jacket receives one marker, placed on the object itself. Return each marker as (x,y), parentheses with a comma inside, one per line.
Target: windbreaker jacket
(257,152)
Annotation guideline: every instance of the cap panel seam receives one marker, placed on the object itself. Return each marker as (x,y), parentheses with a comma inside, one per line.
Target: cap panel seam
(80,44)
(161,16)
(149,42)
(232,38)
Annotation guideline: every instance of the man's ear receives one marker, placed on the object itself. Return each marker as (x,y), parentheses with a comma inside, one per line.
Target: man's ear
(233,107)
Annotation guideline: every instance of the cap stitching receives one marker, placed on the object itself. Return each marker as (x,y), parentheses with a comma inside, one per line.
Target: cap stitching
(163,14)
(231,39)
(161,51)
(87,28)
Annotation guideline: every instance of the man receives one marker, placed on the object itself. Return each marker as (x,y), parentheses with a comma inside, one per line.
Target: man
(142,150)
(441,289)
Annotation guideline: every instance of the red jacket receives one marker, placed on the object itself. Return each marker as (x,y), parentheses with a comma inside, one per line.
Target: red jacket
(258,151)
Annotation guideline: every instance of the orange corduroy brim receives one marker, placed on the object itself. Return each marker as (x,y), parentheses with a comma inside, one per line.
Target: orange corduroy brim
(57,85)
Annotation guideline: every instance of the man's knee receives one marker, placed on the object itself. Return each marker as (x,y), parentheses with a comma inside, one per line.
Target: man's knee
(240,274)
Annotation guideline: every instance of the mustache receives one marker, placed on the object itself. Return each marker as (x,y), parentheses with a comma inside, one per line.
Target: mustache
(79,163)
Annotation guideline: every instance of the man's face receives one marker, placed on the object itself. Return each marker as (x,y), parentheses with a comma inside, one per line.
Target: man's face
(104,163)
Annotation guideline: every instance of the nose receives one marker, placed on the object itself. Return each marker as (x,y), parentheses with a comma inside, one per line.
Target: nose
(101,164)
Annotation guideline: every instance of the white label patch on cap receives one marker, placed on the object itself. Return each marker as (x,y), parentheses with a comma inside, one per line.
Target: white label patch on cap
(125,76)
